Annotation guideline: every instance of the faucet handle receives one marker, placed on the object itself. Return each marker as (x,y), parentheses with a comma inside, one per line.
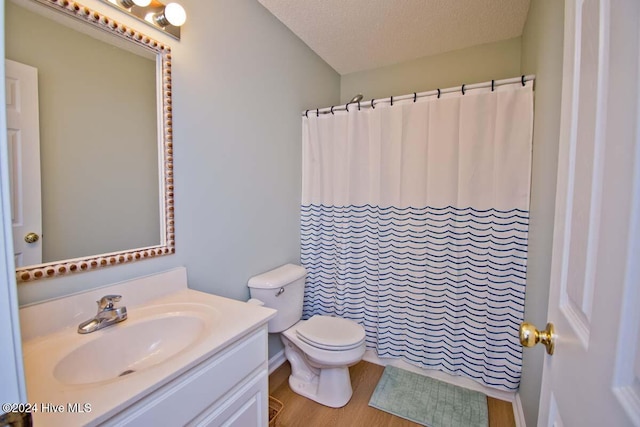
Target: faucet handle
(107,301)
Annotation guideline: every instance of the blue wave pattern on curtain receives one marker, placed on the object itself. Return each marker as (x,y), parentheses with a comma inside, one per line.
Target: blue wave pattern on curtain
(442,288)
(414,223)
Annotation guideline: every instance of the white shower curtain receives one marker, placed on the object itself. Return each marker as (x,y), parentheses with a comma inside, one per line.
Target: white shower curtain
(414,223)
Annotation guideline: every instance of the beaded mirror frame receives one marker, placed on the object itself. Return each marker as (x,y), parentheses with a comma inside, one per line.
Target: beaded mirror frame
(165,144)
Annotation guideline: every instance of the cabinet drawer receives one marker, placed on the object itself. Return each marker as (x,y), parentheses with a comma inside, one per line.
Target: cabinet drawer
(246,407)
(177,402)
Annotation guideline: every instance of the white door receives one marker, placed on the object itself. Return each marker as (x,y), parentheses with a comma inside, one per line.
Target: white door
(593,378)
(12,387)
(23,138)
(12,384)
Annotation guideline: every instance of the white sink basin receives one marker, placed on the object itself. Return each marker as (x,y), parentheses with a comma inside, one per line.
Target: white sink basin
(131,346)
(151,337)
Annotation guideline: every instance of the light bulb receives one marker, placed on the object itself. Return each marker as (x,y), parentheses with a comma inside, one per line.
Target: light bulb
(175,14)
(142,3)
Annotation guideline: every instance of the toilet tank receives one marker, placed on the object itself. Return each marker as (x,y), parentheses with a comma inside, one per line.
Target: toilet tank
(283,289)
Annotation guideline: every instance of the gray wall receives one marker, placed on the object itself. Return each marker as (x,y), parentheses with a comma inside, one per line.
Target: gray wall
(481,63)
(240,82)
(84,213)
(542,42)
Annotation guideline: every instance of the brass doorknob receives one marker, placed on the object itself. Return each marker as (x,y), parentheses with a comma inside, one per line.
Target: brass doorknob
(530,336)
(31,237)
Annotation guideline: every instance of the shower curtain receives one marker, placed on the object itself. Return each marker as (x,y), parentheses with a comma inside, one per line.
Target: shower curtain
(414,223)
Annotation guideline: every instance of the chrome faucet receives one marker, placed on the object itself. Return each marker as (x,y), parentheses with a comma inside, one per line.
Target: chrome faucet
(107,315)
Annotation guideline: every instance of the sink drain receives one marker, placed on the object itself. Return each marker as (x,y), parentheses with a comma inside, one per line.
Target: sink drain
(127,372)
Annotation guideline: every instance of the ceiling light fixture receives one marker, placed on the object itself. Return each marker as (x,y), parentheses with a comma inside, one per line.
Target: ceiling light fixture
(167,18)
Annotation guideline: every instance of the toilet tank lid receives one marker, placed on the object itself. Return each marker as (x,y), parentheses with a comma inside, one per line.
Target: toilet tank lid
(278,277)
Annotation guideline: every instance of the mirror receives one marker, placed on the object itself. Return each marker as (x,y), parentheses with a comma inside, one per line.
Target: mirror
(103,115)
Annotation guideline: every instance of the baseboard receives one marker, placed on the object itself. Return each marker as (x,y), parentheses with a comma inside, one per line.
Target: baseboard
(518,412)
(371,356)
(276,361)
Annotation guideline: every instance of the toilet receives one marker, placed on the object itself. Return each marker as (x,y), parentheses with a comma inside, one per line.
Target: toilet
(320,349)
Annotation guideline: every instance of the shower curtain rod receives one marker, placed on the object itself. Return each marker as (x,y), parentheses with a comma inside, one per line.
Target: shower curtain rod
(464,88)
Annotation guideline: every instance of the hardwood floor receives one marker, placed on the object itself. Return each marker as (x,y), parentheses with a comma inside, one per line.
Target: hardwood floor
(299,411)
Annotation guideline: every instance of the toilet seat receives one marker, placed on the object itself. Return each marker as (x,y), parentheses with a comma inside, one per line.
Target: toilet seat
(331,333)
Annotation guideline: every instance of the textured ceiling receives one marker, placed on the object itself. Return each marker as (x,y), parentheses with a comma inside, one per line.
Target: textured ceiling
(356,35)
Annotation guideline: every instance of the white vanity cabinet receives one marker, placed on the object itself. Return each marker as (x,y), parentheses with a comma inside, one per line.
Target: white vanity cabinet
(228,389)
(182,357)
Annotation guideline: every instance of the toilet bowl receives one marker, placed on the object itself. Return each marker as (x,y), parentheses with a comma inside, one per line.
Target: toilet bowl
(320,349)
(320,371)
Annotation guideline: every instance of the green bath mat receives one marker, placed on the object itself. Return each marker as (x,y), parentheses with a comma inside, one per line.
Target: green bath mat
(430,402)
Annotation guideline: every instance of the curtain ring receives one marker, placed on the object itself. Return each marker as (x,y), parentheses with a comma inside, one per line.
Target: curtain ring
(317,112)
(415,95)
(346,106)
(306,113)
(438,93)
(392,101)
(463,88)
(372,104)
(332,109)
(492,82)
(523,80)
(358,105)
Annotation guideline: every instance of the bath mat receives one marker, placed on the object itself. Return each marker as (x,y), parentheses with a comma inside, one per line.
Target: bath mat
(430,402)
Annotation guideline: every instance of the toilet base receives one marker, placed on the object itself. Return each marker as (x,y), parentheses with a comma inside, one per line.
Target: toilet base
(329,386)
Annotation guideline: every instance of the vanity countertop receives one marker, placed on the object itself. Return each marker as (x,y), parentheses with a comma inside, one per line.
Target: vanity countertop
(91,401)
